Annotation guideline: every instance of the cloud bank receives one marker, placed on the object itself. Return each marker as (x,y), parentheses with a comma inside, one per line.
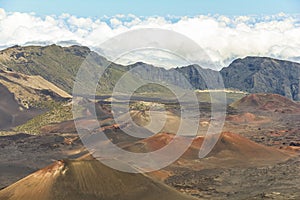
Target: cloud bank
(223,38)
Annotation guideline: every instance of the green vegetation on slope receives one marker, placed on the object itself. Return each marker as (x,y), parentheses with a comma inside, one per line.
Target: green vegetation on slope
(56,64)
(59,112)
(60,65)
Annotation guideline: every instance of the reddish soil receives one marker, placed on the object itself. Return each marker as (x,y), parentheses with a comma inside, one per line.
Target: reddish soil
(267,102)
(232,149)
(88,179)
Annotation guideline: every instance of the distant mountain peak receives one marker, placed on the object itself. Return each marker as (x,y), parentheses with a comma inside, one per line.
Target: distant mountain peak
(264,75)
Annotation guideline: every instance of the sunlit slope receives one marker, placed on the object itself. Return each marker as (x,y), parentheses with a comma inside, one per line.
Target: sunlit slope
(89,180)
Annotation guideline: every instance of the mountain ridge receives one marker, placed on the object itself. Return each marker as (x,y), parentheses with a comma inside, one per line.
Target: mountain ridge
(264,75)
(59,65)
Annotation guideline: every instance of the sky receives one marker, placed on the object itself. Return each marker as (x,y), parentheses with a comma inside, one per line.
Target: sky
(99,8)
(226,30)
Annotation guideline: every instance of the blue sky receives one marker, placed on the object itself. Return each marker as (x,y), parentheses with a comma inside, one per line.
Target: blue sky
(97,8)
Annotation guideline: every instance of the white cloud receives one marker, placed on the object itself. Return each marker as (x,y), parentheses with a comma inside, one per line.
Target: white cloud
(2,14)
(115,22)
(223,38)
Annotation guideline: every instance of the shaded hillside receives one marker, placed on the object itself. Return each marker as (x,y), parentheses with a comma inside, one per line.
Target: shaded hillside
(58,112)
(192,76)
(90,180)
(9,107)
(264,75)
(23,97)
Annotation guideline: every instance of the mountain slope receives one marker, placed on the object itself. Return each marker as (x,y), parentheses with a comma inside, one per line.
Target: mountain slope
(230,150)
(59,65)
(264,75)
(23,97)
(192,76)
(9,107)
(90,180)
(54,63)
(266,102)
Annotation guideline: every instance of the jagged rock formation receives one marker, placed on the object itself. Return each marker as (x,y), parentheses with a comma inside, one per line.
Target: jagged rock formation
(264,75)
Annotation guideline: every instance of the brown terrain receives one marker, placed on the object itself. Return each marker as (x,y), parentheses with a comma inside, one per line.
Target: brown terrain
(22,97)
(256,156)
(87,179)
(273,120)
(229,148)
(266,102)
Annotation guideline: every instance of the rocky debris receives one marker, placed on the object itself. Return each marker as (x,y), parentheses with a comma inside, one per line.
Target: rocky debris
(295,144)
(22,154)
(270,182)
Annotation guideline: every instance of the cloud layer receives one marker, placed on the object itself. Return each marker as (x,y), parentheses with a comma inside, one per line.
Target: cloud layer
(223,38)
